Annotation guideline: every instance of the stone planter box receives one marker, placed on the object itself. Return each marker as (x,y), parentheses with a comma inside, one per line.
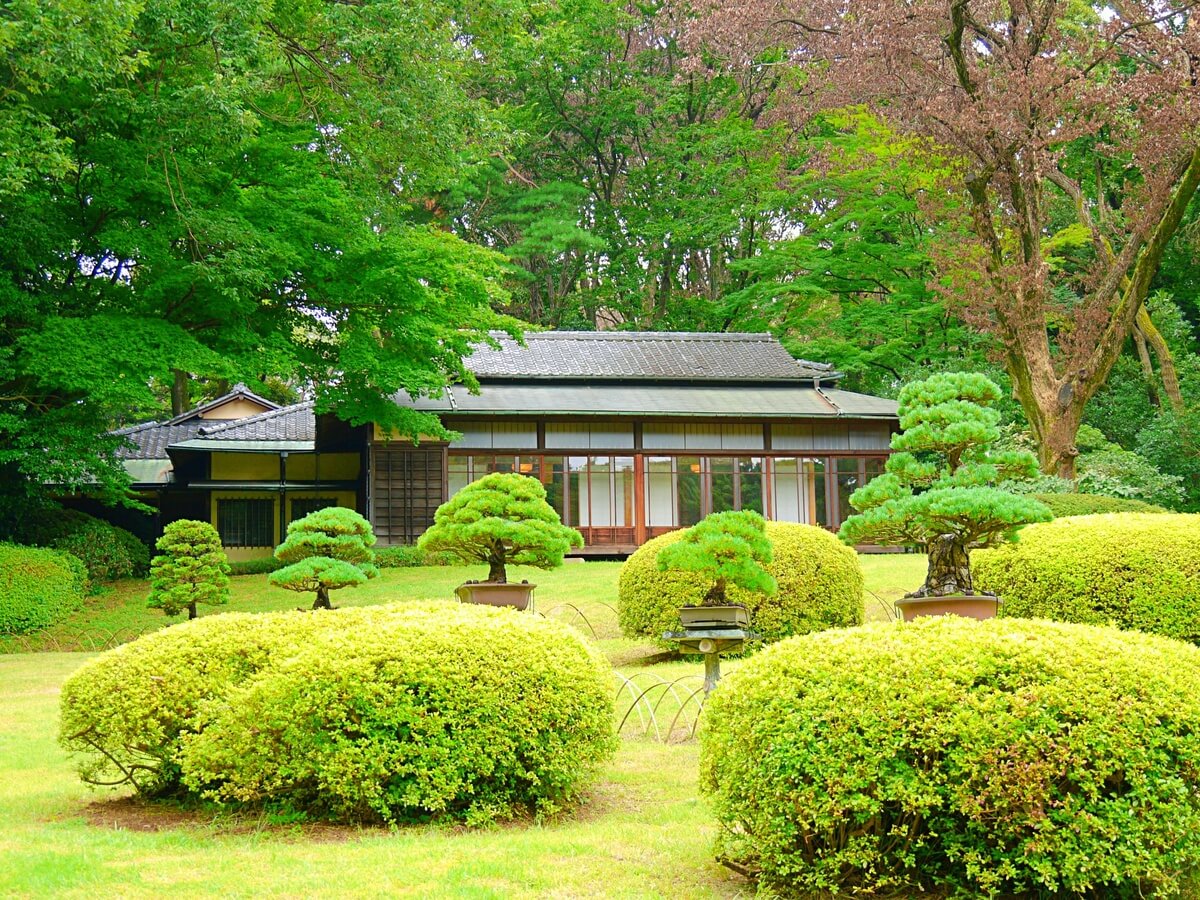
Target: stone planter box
(970,606)
(487,593)
(731,616)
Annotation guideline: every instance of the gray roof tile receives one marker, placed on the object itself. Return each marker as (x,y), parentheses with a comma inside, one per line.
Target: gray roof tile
(288,423)
(151,439)
(643,356)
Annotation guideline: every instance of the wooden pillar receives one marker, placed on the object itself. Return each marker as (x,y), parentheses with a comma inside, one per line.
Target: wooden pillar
(639,499)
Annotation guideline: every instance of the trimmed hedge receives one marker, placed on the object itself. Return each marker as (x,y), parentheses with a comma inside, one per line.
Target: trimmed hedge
(1063,505)
(819,578)
(408,557)
(984,758)
(108,552)
(392,713)
(38,587)
(1132,570)
(261,566)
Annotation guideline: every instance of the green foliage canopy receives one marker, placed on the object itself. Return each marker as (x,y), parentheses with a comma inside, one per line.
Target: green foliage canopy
(190,569)
(233,191)
(501,519)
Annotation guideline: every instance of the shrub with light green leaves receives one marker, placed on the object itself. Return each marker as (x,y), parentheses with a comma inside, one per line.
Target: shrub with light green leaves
(983,758)
(392,713)
(1132,570)
(38,587)
(819,585)
(405,556)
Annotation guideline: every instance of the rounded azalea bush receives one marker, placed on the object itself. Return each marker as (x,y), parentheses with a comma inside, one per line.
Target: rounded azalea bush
(1132,570)
(108,552)
(38,587)
(988,758)
(397,713)
(819,585)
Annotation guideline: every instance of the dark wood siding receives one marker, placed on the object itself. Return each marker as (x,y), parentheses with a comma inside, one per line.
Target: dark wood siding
(406,487)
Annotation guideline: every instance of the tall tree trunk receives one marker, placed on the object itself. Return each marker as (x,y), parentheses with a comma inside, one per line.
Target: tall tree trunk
(1143,352)
(949,569)
(322,601)
(192,610)
(1166,359)
(179,392)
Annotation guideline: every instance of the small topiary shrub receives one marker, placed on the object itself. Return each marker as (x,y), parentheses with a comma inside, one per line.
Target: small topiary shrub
(1063,505)
(190,569)
(108,552)
(38,587)
(998,758)
(819,585)
(262,566)
(502,519)
(727,549)
(386,713)
(324,551)
(1132,570)
(939,494)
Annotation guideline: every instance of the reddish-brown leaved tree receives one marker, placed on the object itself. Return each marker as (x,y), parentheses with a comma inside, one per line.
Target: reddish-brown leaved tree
(1047,105)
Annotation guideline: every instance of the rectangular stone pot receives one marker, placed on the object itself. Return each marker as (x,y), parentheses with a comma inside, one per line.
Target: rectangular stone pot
(730,616)
(487,593)
(970,606)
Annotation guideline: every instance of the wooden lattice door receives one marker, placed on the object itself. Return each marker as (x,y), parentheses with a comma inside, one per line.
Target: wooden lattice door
(407,486)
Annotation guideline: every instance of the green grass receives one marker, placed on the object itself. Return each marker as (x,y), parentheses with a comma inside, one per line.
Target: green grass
(643,831)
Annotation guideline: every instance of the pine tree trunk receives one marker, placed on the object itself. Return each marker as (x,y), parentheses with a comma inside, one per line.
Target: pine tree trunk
(496,571)
(716,594)
(949,569)
(322,601)
(191,610)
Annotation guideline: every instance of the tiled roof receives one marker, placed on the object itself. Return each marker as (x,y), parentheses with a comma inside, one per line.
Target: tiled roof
(643,356)
(288,423)
(151,439)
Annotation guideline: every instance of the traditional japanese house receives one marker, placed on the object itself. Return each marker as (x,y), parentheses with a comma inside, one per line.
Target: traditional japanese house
(632,434)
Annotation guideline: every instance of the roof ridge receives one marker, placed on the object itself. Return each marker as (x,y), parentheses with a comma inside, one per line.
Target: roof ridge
(733,336)
(206,430)
(134,429)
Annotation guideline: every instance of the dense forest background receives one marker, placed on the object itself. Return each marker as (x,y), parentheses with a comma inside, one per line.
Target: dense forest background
(336,199)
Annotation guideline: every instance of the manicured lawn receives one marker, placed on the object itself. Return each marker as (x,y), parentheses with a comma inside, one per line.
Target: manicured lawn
(644,831)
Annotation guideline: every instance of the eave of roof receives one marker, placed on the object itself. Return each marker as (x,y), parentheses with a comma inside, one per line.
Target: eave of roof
(620,400)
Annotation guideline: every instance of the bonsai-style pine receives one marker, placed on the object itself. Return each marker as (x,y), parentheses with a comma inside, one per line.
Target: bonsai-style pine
(938,492)
(501,519)
(729,548)
(326,550)
(190,569)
